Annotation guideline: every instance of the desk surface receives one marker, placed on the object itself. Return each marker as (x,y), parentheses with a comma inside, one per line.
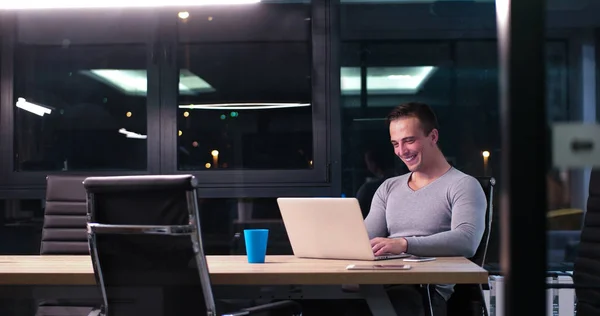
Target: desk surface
(235,270)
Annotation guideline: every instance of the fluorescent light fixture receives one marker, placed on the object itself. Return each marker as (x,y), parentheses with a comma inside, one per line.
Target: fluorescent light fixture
(129,134)
(32,107)
(135,82)
(243,106)
(386,80)
(79,4)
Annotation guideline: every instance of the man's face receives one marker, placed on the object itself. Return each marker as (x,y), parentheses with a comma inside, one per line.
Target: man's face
(410,142)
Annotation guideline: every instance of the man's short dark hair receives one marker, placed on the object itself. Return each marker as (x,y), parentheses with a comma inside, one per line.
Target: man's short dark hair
(421,111)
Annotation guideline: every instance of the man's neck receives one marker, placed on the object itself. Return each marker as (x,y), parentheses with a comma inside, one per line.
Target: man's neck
(438,167)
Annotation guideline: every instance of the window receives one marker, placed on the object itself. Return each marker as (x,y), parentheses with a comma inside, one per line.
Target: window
(223,222)
(444,54)
(245,88)
(79,100)
(391,74)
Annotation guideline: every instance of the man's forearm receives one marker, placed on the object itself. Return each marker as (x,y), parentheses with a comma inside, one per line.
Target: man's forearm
(450,243)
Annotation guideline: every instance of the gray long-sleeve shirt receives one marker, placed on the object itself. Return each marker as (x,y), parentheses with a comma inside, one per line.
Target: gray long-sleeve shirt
(444,218)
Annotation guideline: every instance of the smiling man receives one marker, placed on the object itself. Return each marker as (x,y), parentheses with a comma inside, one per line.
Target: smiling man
(434,210)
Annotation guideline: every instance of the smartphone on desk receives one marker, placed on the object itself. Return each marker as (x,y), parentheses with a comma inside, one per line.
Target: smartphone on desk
(378,267)
(418,259)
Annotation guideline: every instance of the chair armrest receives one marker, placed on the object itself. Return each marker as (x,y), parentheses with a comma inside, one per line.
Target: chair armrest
(96,228)
(96,312)
(295,307)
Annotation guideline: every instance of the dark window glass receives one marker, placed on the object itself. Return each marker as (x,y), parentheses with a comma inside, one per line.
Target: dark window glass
(224,220)
(245,88)
(78,106)
(446,56)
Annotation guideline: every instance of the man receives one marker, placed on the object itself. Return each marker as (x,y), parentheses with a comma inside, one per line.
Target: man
(434,210)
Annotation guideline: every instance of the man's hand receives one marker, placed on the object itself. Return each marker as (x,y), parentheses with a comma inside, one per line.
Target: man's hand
(382,246)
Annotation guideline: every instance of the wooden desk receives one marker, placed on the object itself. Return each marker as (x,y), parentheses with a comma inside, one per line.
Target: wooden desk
(234,277)
(235,270)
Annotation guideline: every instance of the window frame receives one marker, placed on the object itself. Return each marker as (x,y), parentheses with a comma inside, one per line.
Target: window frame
(161,44)
(321,109)
(23,180)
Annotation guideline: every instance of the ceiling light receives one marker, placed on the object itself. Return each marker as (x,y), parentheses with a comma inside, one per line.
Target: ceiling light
(78,4)
(129,134)
(183,15)
(386,80)
(243,106)
(32,107)
(135,82)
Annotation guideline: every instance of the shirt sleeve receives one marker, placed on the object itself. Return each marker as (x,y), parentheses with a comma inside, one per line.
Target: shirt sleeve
(375,222)
(467,226)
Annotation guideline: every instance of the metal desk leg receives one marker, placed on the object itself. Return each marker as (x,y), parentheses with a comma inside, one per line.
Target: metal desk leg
(378,300)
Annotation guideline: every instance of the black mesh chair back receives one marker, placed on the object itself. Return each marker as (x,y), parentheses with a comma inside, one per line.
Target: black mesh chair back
(468,299)
(487,184)
(142,233)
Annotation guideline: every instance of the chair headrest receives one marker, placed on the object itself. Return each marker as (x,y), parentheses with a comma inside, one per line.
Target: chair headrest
(139,183)
(65,188)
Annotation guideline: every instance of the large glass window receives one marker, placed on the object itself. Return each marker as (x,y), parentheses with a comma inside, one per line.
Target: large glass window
(78,104)
(245,88)
(430,52)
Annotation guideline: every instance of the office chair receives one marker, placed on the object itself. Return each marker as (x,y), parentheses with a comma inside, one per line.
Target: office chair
(586,270)
(64,233)
(468,299)
(144,232)
(64,228)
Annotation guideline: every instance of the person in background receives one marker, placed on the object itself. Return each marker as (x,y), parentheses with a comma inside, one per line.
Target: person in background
(382,168)
(434,210)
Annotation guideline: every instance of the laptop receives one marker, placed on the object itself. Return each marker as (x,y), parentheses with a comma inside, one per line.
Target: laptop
(327,228)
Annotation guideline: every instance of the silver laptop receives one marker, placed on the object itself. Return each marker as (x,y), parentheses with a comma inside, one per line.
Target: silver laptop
(327,228)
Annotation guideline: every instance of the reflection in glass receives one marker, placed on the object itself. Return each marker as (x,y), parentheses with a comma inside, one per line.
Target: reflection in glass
(224,220)
(32,107)
(80,107)
(386,80)
(255,105)
(134,82)
(459,39)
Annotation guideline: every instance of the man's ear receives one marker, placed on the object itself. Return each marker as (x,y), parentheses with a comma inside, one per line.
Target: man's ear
(434,135)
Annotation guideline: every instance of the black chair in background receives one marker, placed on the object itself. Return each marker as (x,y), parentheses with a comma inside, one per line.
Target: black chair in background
(586,272)
(144,232)
(65,217)
(64,233)
(468,299)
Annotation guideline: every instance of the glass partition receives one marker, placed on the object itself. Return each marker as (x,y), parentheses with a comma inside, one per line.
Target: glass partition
(444,54)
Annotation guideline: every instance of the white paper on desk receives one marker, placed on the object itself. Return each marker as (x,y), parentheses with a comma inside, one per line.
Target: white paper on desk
(378,267)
